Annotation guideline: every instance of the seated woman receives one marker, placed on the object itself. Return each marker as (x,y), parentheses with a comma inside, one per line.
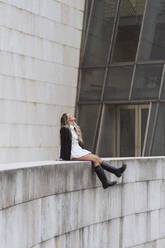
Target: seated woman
(72,149)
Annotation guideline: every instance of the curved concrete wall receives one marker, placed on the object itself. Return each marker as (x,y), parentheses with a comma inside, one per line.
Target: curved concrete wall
(57,204)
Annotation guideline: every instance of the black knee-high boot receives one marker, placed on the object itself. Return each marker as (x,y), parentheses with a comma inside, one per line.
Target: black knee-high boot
(117,171)
(101,175)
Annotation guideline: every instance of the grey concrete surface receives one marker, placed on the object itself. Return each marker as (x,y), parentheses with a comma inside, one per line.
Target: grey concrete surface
(59,204)
(39,55)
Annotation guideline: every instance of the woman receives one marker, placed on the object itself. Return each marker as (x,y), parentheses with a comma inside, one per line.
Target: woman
(72,149)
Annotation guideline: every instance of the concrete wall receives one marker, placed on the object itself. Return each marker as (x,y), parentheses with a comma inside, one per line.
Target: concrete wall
(39,57)
(62,205)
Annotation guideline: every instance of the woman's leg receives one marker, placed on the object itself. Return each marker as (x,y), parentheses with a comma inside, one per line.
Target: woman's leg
(96,161)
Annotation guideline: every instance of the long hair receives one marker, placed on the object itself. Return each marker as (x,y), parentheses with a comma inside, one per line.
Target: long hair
(64,122)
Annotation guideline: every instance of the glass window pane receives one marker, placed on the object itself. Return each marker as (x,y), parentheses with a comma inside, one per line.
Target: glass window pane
(163,90)
(147,81)
(87,14)
(158,148)
(100,32)
(91,84)
(144,117)
(89,2)
(127,132)
(150,129)
(118,83)
(131,13)
(87,119)
(152,45)
(106,147)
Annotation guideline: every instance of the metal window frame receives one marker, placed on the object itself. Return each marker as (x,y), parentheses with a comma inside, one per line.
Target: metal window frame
(97,130)
(140,108)
(138,111)
(87,27)
(153,130)
(101,103)
(100,128)
(129,63)
(146,132)
(123,102)
(85,31)
(84,27)
(137,51)
(146,63)
(162,82)
(157,111)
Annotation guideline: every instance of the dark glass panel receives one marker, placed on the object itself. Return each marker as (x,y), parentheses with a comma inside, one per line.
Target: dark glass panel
(87,13)
(147,81)
(152,45)
(100,32)
(127,132)
(89,3)
(91,84)
(150,129)
(131,13)
(158,148)
(118,83)
(106,146)
(87,119)
(144,117)
(163,90)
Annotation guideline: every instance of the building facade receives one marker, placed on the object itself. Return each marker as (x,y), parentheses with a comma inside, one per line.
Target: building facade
(39,55)
(121,90)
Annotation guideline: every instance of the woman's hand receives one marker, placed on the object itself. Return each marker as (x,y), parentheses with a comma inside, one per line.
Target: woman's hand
(58,159)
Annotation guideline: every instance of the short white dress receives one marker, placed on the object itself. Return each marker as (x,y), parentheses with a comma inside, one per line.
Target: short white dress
(76,151)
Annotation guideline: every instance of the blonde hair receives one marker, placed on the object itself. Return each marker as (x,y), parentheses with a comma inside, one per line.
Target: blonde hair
(64,122)
(78,131)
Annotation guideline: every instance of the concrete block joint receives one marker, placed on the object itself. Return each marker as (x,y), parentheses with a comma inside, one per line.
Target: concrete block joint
(55,204)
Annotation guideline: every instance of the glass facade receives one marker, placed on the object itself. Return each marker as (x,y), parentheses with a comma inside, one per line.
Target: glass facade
(121,97)
(147,81)
(118,83)
(126,41)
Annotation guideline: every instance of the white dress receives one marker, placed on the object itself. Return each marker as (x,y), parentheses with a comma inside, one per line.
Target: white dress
(76,150)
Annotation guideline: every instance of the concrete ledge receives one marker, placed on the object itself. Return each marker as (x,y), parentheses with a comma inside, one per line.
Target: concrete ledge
(55,204)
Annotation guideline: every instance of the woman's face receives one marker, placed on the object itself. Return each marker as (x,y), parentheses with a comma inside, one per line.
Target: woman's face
(71,118)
